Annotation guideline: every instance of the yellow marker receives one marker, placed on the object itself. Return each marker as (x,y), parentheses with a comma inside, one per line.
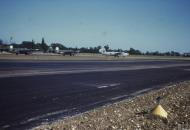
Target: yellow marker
(159,111)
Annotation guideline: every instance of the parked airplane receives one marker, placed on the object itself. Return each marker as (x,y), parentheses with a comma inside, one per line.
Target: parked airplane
(23,51)
(68,52)
(112,53)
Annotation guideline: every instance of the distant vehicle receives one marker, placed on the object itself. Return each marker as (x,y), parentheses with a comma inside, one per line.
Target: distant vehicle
(23,51)
(68,52)
(112,53)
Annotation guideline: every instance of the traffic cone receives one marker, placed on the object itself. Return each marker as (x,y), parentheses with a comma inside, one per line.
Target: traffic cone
(159,111)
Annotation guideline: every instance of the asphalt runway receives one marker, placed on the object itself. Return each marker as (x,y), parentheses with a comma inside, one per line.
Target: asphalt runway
(32,92)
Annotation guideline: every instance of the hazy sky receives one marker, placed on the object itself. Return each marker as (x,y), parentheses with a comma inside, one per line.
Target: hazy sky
(162,25)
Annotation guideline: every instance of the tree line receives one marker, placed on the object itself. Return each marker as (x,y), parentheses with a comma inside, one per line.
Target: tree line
(43,46)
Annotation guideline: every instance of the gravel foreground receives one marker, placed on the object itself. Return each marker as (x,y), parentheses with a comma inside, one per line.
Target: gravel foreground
(135,113)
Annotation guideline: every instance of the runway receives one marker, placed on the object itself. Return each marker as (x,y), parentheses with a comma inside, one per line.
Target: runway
(35,91)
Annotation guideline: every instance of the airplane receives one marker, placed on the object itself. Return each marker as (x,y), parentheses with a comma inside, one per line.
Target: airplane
(112,53)
(23,51)
(68,52)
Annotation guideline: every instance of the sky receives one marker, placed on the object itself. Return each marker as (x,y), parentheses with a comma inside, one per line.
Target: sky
(147,25)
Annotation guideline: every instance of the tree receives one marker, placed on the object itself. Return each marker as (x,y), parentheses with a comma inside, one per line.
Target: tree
(33,41)
(167,53)
(119,50)
(156,53)
(132,51)
(84,50)
(1,41)
(147,53)
(43,41)
(90,49)
(106,47)
(38,46)
(96,49)
(27,44)
(173,53)
(44,46)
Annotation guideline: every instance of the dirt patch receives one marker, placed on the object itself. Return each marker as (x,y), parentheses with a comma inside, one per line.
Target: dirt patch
(134,113)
